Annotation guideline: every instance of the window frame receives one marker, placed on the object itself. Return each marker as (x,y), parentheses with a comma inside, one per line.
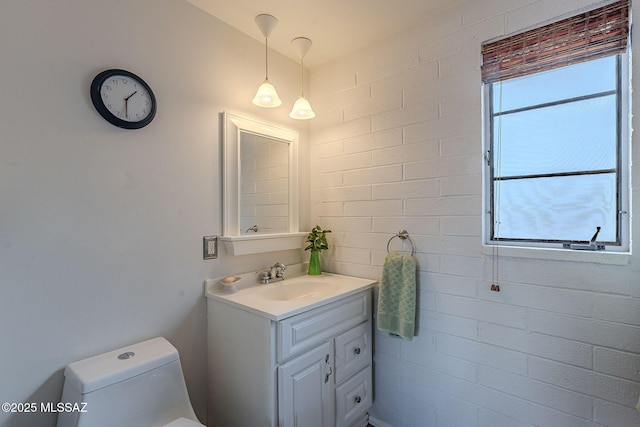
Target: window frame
(623,166)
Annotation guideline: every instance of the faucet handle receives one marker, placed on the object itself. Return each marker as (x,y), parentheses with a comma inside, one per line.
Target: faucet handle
(276,271)
(265,275)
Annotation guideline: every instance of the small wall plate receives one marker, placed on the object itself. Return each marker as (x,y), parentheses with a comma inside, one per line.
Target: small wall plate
(210,247)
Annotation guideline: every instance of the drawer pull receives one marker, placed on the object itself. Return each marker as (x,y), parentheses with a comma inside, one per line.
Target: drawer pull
(358,399)
(357,350)
(326,361)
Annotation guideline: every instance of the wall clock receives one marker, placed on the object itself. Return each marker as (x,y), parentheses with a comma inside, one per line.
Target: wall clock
(123,99)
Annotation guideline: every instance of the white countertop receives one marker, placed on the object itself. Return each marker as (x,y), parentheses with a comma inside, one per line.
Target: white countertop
(285,298)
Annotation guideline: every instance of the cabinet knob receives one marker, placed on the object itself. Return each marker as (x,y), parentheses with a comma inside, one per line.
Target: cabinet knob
(358,399)
(357,350)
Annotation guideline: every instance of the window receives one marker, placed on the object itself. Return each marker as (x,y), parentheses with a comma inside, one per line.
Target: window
(556,111)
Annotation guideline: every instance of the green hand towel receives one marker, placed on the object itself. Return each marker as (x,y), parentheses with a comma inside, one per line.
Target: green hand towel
(397,299)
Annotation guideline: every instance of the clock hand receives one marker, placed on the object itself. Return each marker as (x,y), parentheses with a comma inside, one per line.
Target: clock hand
(126,104)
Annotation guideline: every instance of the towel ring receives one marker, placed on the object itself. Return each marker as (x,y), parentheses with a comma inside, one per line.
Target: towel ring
(403,235)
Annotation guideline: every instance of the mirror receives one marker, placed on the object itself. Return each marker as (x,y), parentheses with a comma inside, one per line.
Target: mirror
(260,190)
(264,184)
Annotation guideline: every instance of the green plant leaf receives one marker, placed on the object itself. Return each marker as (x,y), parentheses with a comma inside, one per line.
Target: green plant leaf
(317,239)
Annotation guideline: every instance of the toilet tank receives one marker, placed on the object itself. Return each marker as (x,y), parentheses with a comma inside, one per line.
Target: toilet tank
(138,385)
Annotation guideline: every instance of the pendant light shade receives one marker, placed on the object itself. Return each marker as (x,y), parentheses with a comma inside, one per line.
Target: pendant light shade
(302,109)
(266,96)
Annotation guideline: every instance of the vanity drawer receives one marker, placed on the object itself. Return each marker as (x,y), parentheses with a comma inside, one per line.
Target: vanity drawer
(353,351)
(354,397)
(306,330)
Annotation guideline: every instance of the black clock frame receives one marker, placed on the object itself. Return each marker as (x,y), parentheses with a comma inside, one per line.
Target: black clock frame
(96,98)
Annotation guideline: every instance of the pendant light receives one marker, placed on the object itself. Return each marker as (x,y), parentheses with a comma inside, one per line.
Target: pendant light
(301,109)
(266,96)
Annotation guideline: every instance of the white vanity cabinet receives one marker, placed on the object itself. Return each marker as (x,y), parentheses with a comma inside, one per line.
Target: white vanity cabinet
(312,369)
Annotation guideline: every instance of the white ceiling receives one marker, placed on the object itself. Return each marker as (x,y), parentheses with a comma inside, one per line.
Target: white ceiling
(336,27)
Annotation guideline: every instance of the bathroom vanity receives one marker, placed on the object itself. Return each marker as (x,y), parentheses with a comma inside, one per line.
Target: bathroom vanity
(292,353)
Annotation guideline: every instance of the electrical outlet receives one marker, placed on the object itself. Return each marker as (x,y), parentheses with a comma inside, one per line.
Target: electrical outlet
(210,247)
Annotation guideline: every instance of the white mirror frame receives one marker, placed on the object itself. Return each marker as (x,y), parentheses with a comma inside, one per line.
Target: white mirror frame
(235,242)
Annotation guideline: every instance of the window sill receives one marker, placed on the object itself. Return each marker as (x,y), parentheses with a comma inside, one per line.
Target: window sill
(596,257)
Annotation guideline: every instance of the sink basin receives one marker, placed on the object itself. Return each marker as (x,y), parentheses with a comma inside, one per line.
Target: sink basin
(298,291)
(286,298)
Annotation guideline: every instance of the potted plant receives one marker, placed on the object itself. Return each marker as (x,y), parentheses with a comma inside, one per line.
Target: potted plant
(317,240)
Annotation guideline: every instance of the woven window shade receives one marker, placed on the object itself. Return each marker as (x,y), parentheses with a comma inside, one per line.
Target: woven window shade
(590,35)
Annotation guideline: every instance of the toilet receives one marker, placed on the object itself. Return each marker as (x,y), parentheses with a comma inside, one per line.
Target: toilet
(136,386)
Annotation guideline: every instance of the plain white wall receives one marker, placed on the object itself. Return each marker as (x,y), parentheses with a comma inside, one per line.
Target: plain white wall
(397,143)
(101,228)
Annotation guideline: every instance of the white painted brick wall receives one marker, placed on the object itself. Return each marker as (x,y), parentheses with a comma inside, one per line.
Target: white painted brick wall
(397,143)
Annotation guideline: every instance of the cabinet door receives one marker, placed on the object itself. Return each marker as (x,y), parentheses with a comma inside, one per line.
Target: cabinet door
(305,389)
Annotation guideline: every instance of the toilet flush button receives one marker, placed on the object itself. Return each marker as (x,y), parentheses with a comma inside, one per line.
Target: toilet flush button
(127,355)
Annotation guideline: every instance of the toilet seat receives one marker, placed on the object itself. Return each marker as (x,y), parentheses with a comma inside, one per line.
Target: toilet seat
(183,422)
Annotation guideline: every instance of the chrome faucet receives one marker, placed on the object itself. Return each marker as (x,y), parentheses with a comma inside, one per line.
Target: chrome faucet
(272,273)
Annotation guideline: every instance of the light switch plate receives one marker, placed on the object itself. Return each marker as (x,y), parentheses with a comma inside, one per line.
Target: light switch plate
(210,247)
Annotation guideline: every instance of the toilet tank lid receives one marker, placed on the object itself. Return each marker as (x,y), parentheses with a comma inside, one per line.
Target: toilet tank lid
(183,422)
(109,368)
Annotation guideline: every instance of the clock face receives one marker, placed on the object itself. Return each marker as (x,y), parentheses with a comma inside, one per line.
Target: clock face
(123,99)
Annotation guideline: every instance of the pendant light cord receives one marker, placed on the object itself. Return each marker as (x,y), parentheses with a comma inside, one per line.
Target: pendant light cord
(266,58)
(302,77)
